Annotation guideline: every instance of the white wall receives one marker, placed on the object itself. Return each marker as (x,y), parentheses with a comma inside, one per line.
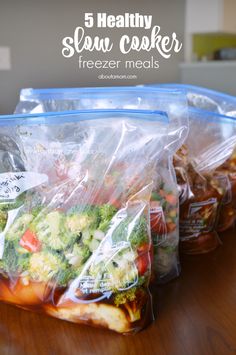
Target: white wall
(34,30)
(201,16)
(218,75)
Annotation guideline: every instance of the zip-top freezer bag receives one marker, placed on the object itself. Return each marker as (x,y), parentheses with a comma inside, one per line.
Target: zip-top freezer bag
(205,186)
(206,99)
(224,104)
(164,207)
(172,101)
(75,194)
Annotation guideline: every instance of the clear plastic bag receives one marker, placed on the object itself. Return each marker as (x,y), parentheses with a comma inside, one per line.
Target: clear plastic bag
(172,101)
(75,194)
(205,185)
(164,217)
(207,99)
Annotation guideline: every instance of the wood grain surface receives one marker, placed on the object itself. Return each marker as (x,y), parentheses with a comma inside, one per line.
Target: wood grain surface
(196,314)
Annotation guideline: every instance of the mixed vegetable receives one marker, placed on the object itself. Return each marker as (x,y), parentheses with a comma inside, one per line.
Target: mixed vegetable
(165,232)
(78,245)
(104,251)
(56,247)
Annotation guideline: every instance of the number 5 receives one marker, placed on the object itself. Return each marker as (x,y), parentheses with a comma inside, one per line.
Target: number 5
(88,19)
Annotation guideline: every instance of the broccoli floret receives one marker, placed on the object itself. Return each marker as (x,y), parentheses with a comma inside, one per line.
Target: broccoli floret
(65,275)
(118,270)
(97,270)
(23,262)
(87,236)
(3,220)
(79,255)
(36,211)
(90,218)
(43,266)
(19,201)
(81,222)
(107,211)
(19,227)
(52,231)
(77,258)
(13,262)
(133,300)
(9,262)
(82,218)
(137,236)
(13,204)
(106,214)
(122,272)
(125,296)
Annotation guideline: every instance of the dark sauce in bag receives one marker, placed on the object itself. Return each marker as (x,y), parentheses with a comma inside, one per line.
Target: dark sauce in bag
(200,198)
(227,172)
(200,202)
(206,180)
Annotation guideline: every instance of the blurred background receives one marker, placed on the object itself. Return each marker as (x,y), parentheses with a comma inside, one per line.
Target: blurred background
(31,33)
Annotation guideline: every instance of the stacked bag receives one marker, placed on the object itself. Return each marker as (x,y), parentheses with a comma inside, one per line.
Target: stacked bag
(97,186)
(83,170)
(205,169)
(164,198)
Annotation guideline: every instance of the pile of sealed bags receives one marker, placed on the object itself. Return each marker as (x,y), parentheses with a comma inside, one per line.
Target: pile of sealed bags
(205,169)
(164,198)
(91,183)
(77,188)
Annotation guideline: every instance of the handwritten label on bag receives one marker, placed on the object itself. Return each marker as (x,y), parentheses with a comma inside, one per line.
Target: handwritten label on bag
(13,185)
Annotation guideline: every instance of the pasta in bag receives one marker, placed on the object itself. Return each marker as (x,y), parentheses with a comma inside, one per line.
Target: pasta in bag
(205,185)
(75,194)
(164,205)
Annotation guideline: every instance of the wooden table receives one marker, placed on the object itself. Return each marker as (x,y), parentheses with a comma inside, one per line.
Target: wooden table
(196,314)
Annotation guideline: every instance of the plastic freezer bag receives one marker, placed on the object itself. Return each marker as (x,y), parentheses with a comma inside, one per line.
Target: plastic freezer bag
(172,101)
(207,99)
(74,201)
(206,186)
(164,218)
(164,207)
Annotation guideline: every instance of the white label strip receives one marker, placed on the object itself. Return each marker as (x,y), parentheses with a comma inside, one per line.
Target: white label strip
(13,185)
